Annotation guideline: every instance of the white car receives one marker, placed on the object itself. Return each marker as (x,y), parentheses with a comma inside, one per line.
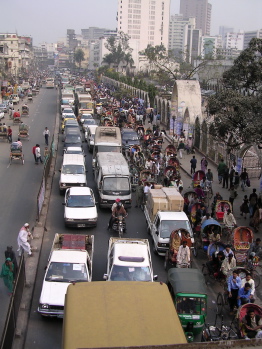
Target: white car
(87,123)
(85,117)
(74,150)
(80,207)
(68,113)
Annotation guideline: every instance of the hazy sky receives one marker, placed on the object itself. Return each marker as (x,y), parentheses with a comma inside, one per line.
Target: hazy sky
(47,20)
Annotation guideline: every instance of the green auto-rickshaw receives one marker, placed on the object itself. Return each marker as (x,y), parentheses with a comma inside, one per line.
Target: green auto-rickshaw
(189,293)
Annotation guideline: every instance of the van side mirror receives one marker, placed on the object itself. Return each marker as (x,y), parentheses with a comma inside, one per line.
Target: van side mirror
(105,277)
(157,233)
(155,277)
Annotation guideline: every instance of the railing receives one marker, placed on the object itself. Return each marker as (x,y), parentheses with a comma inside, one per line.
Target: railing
(14,305)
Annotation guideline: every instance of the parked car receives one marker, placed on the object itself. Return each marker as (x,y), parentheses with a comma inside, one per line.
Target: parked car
(80,207)
(3,108)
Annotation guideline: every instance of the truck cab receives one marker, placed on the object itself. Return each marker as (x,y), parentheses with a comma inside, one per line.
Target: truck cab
(129,260)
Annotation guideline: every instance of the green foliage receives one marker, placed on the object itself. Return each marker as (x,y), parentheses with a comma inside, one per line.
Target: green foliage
(237,118)
(119,49)
(79,56)
(246,73)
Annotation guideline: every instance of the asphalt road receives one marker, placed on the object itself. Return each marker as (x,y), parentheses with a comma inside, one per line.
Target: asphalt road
(46,333)
(19,184)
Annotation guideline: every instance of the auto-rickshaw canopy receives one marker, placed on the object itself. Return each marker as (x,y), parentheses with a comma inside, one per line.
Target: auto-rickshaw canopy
(188,281)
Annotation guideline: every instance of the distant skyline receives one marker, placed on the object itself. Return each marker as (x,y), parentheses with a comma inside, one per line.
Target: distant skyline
(47,21)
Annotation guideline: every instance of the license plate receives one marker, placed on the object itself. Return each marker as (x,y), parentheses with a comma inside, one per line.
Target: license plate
(81,225)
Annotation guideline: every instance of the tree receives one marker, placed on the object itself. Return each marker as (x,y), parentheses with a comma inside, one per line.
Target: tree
(237,109)
(79,56)
(119,49)
(246,73)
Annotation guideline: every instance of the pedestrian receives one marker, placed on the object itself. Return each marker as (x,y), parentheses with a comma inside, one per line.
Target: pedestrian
(144,118)
(244,178)
(9,253)
(204,164)
(33,151)
(255,220)
(9,134)
(193,162)
(244,295)
(253,198)
(139,194)
(46,134)
(233,286)
(231,176)
(244,209)
(181,146)
(225,178)
(236,180)
(220,170)
(232,195)
(22,240)
(38,154)
(146,190)
(7,273)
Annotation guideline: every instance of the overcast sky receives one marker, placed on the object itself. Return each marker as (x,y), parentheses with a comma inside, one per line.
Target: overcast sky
(47,20)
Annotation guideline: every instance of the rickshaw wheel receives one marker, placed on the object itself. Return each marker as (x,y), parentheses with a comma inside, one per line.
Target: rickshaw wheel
(220,304)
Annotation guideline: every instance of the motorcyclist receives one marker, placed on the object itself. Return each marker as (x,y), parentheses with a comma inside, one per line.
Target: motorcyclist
(114,206)
(117,211)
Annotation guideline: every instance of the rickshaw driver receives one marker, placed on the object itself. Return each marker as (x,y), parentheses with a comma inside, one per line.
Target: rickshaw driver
(229,220)
(183,255)
(253,325)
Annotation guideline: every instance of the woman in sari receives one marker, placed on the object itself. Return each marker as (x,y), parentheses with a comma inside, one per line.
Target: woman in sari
(7,274)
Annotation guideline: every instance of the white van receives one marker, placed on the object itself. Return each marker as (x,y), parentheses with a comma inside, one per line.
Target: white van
(73,172)
(15,98)
(90,136)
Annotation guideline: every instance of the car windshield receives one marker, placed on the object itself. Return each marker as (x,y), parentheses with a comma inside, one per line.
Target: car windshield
(87,116)
(65,101)
(129,136)
(127,273)
(167,227)
(74,152)
(89,122)
(68,111)
(72,139)
(116,186)
(80,201)
(66,272)
(73,169)
(191,305)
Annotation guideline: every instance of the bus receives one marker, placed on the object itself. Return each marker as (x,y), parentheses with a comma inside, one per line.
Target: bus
(120,314)
(50,83)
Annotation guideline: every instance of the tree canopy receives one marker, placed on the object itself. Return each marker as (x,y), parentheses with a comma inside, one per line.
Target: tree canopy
(237,110)
(119,51)
(79,56)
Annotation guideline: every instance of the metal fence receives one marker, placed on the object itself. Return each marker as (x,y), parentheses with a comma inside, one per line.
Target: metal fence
(48,156)
(14,305)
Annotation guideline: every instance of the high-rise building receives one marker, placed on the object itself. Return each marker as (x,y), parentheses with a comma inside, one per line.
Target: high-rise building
(201,10)
(144,20)
(250,35)
(234,41)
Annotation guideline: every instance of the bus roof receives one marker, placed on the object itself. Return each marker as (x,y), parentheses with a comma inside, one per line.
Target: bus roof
(108,135)
(120,314)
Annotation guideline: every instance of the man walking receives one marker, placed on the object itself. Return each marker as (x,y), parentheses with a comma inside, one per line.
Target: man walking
(46,134)
(22,238)
(38,154)
(9,134)
(193,162)
(221,170)
(33,151)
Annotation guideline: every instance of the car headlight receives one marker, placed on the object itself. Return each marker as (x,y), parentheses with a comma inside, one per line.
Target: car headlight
(44,306)
(63,184)
(92,219)
(69,219)
(82,184)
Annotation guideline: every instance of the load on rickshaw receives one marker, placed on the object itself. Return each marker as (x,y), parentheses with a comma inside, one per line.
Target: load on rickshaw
(175,241)
(3,132)
(30,97)
(16,152)
(211,233)
(188,290)
(140,131)
(244,315)
(17,118)
(170,150)
(242,238)
(23,131)
(25,110)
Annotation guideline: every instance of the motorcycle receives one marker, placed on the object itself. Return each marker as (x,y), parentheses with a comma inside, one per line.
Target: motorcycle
(120,225)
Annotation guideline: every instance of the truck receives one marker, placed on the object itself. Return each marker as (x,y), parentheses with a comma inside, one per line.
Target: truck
(112,179)
(107,139)
(164,214)
(70,261)
(129,260)
(120,314)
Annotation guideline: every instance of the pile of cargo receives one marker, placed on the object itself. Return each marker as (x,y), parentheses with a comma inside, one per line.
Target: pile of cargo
(164,199)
